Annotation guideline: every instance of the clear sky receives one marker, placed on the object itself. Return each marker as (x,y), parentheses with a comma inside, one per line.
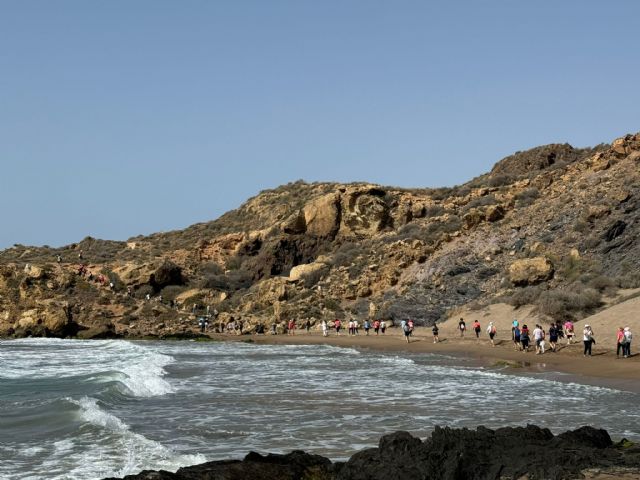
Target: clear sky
(120,118)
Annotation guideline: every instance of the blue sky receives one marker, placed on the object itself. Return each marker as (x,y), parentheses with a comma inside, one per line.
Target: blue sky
(122,118)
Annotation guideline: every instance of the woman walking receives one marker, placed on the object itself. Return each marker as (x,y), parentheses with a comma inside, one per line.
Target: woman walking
(491,330)
(587,338)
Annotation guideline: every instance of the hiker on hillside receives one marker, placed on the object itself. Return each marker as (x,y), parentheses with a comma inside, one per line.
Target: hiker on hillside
(462,327)
(58,259)
(587,338)
(476,328)
(434,330)
(491,330)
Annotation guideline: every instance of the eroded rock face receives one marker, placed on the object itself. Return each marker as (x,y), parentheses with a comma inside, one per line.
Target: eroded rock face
(364,211)
(530,271)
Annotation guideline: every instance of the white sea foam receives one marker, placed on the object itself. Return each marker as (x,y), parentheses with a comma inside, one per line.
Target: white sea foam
(138,368)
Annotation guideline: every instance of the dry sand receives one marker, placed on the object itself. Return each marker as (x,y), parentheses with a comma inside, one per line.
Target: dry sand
(603,368)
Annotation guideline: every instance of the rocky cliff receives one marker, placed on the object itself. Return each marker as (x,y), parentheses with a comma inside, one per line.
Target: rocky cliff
(555,227)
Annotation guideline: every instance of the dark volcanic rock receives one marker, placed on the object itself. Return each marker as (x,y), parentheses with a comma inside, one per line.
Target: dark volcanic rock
(450,454)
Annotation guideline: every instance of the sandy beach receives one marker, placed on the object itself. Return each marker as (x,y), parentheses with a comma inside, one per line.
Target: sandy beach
(602,369)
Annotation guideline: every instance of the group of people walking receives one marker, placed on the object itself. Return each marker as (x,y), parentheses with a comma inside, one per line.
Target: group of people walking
(523,337)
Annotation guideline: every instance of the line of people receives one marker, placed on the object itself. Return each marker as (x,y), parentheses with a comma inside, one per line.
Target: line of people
(523,337)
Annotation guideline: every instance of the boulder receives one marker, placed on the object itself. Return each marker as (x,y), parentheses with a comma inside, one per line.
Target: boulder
(322,216)
(530,271)
(493,213)
(307,271)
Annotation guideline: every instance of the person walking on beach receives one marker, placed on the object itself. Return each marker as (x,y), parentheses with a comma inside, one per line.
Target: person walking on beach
(516,337)
(337,324)
(553,337)
(367,327)
(626,352)
(491,330)
(376,326)
(383,326)
(411,327)
(568,328)
(324,328)
(620,342)
(515,324)
(587,338)
(403,324)
(524,338)
(434,330)
(462,327)
(307,326)
(407,331)
(538,335)
(291,327)
(355,327)
(476,328)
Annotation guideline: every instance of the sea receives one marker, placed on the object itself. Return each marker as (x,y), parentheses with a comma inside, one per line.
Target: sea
(72,409)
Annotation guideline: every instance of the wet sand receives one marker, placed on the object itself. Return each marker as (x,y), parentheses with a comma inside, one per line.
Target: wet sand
(601,369)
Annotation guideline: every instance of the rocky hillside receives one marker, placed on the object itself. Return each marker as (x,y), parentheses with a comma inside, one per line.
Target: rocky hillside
(555,227)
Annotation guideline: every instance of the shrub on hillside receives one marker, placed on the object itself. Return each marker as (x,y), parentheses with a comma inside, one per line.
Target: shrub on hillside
(567,304)
(527,197)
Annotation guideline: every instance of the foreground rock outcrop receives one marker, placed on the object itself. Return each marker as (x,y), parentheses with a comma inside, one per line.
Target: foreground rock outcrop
(449,454)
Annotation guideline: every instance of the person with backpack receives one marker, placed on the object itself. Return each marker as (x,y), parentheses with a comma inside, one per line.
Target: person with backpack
(568,328)
(538,336)
(491,330)
(515,324)
(462,327)
(367,327)
(524,338)
(627,342)
(336,324)
(476,328)
(434,330)
(620,346)
(516,337)
(553,337)
(407,331)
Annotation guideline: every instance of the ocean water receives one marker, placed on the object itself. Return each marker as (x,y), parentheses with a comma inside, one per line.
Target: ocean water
(92,409)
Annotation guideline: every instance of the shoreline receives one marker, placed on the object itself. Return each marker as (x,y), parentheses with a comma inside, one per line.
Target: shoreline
(603,369)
